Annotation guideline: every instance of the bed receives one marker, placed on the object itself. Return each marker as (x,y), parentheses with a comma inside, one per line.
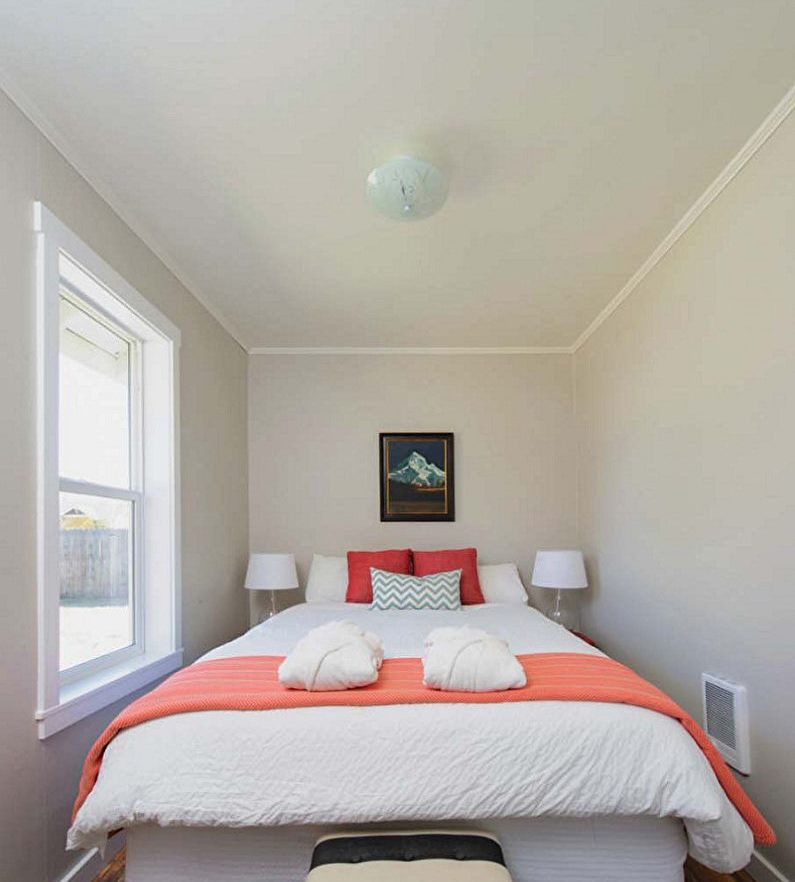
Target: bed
(573,789)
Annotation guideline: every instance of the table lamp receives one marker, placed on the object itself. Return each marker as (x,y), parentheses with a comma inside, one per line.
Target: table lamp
(561,570)
(271,572)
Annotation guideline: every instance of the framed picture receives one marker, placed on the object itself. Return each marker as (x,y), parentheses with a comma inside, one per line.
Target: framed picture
(417,476)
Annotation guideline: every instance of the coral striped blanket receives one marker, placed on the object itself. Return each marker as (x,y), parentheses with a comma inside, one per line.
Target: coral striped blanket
(252,683)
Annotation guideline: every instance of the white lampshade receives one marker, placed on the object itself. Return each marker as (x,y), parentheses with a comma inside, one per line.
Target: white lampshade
(559,569)
(273,572)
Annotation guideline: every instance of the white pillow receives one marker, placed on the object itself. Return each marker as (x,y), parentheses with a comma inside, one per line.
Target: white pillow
(500,583)
(328,580)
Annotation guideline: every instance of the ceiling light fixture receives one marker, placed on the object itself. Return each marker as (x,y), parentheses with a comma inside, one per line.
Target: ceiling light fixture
(406,188)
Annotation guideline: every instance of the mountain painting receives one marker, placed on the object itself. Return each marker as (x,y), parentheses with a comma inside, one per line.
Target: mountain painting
(417,476)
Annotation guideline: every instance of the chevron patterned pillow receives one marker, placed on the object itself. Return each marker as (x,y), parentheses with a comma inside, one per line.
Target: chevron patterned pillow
(395,591)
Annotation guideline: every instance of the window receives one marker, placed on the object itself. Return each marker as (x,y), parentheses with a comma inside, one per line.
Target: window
(108,550)
(100,499)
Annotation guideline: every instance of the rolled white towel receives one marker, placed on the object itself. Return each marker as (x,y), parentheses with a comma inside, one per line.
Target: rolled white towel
(470,660)
(334,656)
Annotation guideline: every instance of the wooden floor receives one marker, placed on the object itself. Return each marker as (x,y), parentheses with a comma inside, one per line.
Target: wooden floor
(114,872)
(694,872)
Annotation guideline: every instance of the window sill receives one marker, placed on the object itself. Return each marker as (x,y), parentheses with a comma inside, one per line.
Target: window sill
(89,695)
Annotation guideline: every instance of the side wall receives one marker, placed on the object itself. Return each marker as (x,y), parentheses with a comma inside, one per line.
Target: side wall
(38,779)
(313,441)
(686,424)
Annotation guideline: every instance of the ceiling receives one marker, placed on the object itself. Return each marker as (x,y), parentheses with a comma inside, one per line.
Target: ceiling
(236,138)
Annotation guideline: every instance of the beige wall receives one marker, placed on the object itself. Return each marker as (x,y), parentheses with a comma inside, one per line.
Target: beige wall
(686,420)
(313,441)
(38,779)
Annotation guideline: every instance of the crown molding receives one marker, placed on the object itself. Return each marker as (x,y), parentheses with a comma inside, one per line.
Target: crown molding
(774,119)
(410,350)
(106,192)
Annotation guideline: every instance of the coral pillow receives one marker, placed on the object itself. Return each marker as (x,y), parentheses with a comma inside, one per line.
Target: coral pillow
(426,563)
(360,588)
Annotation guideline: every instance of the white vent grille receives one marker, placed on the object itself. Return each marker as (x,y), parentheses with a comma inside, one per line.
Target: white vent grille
(720,713)
(726,720)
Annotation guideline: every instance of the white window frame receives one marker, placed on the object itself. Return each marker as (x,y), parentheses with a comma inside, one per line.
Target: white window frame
(68,696)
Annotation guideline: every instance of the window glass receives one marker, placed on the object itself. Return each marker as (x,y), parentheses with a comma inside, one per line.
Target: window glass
(96,577)
(94,400)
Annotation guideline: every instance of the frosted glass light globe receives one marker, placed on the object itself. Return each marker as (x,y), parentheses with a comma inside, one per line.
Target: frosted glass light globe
(406,188)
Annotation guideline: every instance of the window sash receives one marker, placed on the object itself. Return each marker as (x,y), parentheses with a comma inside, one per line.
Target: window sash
(87,488)
(83,301)
(132,494)
(137,594)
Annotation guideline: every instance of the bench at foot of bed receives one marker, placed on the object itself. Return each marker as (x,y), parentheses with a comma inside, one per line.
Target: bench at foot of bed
(429,856)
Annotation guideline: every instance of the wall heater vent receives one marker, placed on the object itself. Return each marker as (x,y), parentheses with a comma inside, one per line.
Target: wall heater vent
(726,720)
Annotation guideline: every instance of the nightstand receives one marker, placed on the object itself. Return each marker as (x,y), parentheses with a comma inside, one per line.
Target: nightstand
(585,638)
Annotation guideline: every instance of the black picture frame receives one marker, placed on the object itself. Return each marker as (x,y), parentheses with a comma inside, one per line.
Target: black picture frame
(416,476)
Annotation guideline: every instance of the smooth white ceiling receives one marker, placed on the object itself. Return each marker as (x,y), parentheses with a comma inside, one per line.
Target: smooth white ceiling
(238,137)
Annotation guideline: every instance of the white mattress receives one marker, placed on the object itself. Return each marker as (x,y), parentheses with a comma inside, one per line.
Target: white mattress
(402,764)
(539,850)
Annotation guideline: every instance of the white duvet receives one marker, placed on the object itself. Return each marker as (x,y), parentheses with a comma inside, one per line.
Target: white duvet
(347,765)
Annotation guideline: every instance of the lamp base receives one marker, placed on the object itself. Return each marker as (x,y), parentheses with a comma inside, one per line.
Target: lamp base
(271,610)
(564,613)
